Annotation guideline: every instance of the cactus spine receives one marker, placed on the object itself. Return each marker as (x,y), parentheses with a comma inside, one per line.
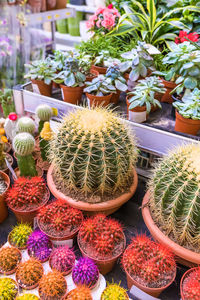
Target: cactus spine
(29,273)
(8,289)
(9,259)
(191,285)
(44,113)
(175,195)
(114,291)
(93,152)
(27,297)
(19,235)
(46,135)
(80,293)
(26,124)
(62,259)
(23,145)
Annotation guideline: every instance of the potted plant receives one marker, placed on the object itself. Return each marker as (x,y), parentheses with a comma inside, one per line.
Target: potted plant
(99,91)
(71,81)
(81,292)
(27,297)
(59,221)
(167,220)
(8,288)
(190,285)
(4,186)
(91,188)
(45,136)
(144,98)
(29,273)
(188,113)
(26,196)
(102,239)
(98,65)
(41,73)
(7,103)
(148,265)
(9,259)
(52,286)
(62,259)
(85,272)
(44,113)
(18,237)
(117,80)
(85,63)
(26,124)
(114,291)
(4,156)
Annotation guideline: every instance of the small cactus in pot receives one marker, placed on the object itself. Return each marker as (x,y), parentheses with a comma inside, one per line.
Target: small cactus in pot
(44,113)
(46,135)
(190,284)
(39,246)
(114,291)
(10,257)
(26,124)
(27,297)
(8,289)
(80,293)
(19,235)
(62,259)
(85,272)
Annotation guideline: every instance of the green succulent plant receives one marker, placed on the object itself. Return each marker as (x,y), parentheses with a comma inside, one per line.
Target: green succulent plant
(44,113)
(117,79)
(6,100)
(8,289)
(19,235)
(100,86)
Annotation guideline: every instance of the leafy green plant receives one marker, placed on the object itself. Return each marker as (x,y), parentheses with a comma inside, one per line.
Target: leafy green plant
(100,86)
(59,58)
(117,78)
(6,100)
(99,60)
(85,63)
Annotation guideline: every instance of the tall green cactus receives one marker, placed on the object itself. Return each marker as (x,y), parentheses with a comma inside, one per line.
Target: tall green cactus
(26,124)
(175,195)
(44,113)
(23,145)
(93,151)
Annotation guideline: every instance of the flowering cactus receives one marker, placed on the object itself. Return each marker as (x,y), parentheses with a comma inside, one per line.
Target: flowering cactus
(9,259)
(29,273)
(80,293)
(114,291)
(62,259)
(52,284)
(19,235)
(191,285)
(85,272)
(8,289)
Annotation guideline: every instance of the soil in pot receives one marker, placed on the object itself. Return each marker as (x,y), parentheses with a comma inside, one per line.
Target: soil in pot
(93,74)
(169,85)
(39,87)
(72,95)
(4,185)
(98,101)
(100,70)
(188,126)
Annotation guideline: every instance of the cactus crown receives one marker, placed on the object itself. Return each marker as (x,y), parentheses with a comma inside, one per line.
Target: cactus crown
(114,291)
(26,124)
(44,112)
(191,285)
(39,245)
(80,293)
(29,272)
(148,262)
(26,193)
(19,235)
(23,144)
(46,132)
(27,297)
(8,289)
(93,152)
(9,258)
(175,195)
(62,259)
(52,284)
(103,235)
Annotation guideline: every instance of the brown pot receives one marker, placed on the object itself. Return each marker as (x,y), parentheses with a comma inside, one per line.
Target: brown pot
(51,4)
(14,270)
(24,286)
(188,126)
(8,157)
(104,266)
(185,275)
(169,85)
(13,245)
(3,207)
(7,147)
(100,70)
(39,87)
(183,256)
(28,216)
(107,207)
(94,74)
(96,101)
(155,292)
(72,94)
(38,169)
(115,97)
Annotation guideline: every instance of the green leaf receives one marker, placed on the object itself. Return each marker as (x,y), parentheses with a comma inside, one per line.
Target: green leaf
(188,65)
(190,83)
(120,86)
(152,12)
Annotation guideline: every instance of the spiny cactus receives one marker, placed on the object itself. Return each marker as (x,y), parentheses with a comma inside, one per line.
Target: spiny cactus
(191,285)
(175,195)
(149,262)
(8,289)
(44,113)
(9,259)
(52,286)
(19,235)
(85,272)
(46,135)
(37,240)
(26,124)
(23,145)
(59,217)
(27,297)
(93,151)
(62,259)
(26,193)
(114,291)
(101,236)
(80,293)
(29,273)
(2,157)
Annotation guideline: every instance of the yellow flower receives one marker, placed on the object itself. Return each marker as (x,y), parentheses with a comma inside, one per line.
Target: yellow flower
(4,139)
(2,131)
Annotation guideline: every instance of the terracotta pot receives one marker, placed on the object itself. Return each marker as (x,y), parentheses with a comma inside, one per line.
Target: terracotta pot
(72,94)
(96,101)
(64,273)
(107,207)
(24,286)
(3,207)
(10,159)
(155,292)
(28,216)
(39,87)
(13,245)
(100,70)
(94,74)
(51,4)
(188,126)
(169,85)
(14,270)
(185,275)
(38,169)
(104,266)
(115,97)
(183,256)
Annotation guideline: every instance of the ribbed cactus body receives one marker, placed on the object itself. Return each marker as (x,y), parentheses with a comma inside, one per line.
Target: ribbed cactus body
(175,195)
(44,113)
(26,124)
(114,291)
(93,152)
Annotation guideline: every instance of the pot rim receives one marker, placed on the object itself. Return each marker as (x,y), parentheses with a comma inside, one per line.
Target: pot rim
(62,86)
(187,120)
(6,179)
(183,278)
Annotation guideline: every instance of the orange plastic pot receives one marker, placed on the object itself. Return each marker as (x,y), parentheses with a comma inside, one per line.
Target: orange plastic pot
(185,275)
(96,101)
(115,97)
(169,85)
(94,74)
(42,88)
(188,126)
(3,207)
(100,70)
(72,94)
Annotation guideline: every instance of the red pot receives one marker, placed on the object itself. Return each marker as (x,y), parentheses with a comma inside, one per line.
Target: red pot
(188,126)
(185,275)
(169,85)
(3,207)
(100,70)
(42,88)
(72,94)
(115,97)
(96,101)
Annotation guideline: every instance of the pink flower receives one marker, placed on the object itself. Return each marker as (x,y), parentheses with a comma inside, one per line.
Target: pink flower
(89,24)
(193,36)
(115,12)
(12,116)
(98,23)
(99,11)
(110,6)
(183,36)
(109,21)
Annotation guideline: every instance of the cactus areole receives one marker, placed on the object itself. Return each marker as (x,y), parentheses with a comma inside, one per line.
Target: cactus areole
(190,284)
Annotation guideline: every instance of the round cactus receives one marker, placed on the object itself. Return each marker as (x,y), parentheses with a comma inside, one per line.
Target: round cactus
(29,273)
(9,259)
(85,272)
(62,259)
(114,291)
(8,289)
(26,124)
(37,240)
(93,151)
(23,145)
(19,235)
(80,293)
(175,196)
(27,297)
(191,285)
(44,113)
(52,286)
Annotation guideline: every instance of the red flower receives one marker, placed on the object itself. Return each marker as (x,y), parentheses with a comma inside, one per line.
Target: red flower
(110,6)
(12,116)
(193,36)
(183,37)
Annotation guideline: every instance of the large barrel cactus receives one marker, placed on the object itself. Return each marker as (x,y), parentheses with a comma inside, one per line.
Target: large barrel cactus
(175,195)
(93,152)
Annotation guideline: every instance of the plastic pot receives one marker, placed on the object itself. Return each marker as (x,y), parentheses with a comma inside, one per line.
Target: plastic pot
(62,26)
(39,87)
(96,101)
(3,207)
(188,126)
(100,70)
(185,275)
(169,85)
(137,114)
(115,97)
(73,24)
(72,95)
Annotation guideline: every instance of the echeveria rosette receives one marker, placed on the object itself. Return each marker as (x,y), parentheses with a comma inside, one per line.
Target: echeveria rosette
(100,86)
(85,272)
(113,72)
(37,240)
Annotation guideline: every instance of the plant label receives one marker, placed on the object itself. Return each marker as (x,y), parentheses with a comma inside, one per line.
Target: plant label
(137,117)
(35,88)
(69,243)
